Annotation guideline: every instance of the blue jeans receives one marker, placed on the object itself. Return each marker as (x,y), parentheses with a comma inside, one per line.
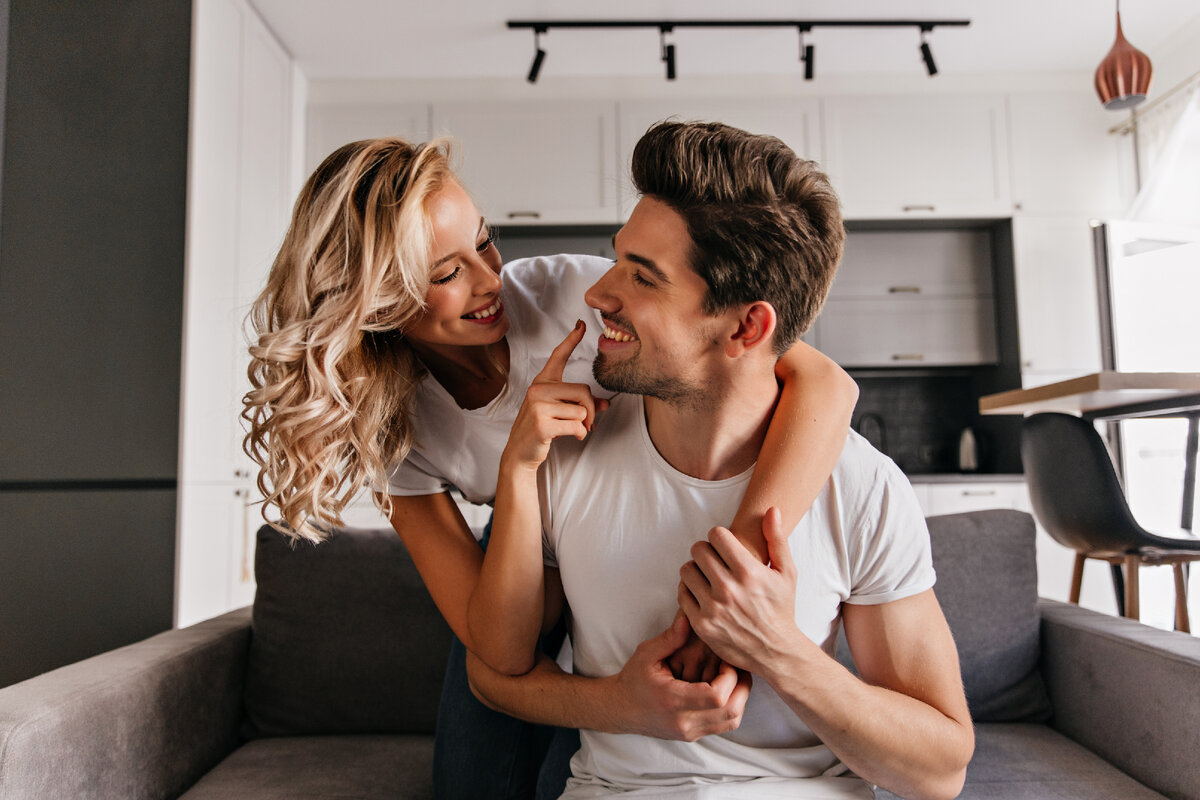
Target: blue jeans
(481,754)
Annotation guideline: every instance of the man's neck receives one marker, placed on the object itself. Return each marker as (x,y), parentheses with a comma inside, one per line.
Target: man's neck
(719,438)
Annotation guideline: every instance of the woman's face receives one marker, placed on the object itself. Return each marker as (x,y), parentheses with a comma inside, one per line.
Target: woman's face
(463,305)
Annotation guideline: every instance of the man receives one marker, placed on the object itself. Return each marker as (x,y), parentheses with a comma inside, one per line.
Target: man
(723,264)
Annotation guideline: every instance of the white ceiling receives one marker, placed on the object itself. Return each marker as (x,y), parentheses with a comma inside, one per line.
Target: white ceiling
(397,39)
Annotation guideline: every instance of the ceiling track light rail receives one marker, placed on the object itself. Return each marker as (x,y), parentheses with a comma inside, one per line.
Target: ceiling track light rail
(804,26)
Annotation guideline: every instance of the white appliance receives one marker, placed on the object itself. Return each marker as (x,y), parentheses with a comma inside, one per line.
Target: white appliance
(1148,276)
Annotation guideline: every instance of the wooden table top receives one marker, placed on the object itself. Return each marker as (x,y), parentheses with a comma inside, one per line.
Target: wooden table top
(1099,391)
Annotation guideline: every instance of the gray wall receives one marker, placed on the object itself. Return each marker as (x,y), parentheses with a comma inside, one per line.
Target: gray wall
(94,180)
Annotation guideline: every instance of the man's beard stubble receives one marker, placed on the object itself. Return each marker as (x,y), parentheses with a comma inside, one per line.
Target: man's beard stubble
(627,377)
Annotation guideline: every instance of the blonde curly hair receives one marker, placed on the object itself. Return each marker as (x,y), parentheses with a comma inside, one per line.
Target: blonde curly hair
(332,376)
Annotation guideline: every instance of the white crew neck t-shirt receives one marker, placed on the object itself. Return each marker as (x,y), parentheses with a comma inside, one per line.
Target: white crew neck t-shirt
(618,523)
(543,297)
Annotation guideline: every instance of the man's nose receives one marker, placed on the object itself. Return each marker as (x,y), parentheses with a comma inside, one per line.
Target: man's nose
(599,295)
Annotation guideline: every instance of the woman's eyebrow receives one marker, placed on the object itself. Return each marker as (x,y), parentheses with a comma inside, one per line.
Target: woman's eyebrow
(444,259)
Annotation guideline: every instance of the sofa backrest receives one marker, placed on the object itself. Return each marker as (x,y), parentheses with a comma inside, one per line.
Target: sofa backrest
(986,563)
(987,586)
(345,638)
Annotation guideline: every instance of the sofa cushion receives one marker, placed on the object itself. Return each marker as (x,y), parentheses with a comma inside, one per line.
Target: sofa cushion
(394,767)
(1017,761)
(987,586)
(346,639)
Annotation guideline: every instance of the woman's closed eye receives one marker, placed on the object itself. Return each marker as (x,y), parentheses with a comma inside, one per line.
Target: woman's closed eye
(488,242)
(446,278)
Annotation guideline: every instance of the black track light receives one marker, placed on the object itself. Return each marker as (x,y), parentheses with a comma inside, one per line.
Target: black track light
(804,26)
(538,56)
(927,55)
(668,52)
(806,55)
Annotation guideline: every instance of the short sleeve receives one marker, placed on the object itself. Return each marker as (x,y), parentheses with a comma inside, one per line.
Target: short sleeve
(414,477)
(891,554)
(545,486)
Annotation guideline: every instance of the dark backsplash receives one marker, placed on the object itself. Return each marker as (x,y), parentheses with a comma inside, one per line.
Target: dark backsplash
(922,418)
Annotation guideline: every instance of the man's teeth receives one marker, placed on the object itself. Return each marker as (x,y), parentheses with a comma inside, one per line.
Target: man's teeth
(487,312)
(609,333)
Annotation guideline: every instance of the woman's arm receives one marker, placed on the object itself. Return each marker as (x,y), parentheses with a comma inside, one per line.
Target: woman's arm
(444,551)
(803,443)
(643,698)
(505,614)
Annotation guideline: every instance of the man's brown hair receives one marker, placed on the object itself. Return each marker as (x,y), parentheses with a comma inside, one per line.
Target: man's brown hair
(765,224)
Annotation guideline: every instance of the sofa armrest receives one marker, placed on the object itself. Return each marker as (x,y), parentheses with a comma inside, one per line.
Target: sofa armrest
(1126,691)
(142,721)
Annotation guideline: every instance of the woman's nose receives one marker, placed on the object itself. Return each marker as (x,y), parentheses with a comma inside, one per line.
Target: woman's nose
(487,280)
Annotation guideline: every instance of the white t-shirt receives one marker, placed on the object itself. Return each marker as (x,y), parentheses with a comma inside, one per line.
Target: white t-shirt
(543,298)
(618,523)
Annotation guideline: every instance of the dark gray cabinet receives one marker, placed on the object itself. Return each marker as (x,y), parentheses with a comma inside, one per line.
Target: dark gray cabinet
(92,218)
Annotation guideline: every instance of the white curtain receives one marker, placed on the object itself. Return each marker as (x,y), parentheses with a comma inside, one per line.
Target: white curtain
(1170,192)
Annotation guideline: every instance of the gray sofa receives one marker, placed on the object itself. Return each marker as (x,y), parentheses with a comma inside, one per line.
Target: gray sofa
(328,687)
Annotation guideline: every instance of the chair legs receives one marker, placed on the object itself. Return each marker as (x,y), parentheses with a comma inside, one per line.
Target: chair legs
(1132,608)
(1077,577)
(1125,573)
(1118,582)
(1181,610)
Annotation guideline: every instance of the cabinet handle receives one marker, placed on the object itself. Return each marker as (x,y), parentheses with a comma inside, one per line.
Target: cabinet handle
(978,492)
(908,357)
(918,208)
(904,289)
(241,473)
(529,214)
(247,537)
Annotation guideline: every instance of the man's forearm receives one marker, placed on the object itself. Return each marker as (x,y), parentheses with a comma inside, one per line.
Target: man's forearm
(885,737)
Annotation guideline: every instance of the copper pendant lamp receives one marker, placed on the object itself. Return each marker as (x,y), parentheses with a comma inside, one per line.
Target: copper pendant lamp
(1123,77)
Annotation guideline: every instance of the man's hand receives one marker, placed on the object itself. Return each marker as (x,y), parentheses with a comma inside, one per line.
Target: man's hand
(552,409)
(743,609)
(652,702)
(695,661)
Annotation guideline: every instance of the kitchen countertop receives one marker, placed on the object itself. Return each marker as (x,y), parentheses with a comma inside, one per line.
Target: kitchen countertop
(966,477)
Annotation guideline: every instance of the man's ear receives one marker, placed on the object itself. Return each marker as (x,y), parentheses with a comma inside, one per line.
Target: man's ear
(755,329)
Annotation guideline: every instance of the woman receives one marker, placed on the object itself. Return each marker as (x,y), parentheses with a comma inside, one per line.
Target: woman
(393,351)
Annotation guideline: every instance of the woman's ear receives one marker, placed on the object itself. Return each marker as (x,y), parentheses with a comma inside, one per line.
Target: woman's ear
(756,328)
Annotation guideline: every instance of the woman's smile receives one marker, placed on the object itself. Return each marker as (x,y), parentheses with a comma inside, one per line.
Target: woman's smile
(486,315)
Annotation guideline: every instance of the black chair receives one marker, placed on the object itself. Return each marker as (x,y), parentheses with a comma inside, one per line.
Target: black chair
(1078,499)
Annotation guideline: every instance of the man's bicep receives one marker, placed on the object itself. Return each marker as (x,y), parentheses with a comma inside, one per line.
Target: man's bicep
(906,646)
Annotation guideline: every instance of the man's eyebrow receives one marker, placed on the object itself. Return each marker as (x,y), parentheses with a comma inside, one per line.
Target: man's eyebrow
(444,259)
(646,263)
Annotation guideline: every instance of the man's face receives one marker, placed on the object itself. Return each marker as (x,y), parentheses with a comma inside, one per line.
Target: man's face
(657,339)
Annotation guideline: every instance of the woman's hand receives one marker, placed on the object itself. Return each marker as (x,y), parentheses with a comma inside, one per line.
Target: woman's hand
(551,409)
(695,662)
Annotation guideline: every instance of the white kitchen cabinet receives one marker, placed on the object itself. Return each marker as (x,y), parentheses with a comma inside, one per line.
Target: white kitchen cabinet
(1057,306)
(1064,161)
(536,163)
(918,156)
(961,497)
(239,199)
(797,123)
(219,553)
(941,331)
(911,298)
(329,126)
